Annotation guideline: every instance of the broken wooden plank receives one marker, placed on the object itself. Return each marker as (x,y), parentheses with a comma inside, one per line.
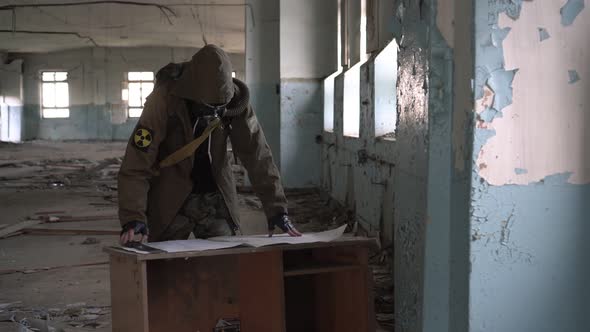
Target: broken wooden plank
(66,218)
(48,212)
(70,231)
(49,268)
(13,234)
(18,227)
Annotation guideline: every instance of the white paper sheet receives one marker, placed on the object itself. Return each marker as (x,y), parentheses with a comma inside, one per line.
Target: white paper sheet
(191,245)
(223,242)
(264,240)
(133,250)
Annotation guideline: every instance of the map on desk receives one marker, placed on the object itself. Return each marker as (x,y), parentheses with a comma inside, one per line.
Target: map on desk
(256,241)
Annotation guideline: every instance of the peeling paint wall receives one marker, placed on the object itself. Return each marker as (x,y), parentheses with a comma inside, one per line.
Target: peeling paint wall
(529,196)
(544,130)
(95,77)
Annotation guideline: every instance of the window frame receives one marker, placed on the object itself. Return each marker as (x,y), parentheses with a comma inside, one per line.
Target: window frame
(54,82)
(385,92)
(127,90)
(351,108)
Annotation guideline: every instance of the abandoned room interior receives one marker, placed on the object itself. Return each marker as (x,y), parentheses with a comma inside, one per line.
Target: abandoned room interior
(433,154)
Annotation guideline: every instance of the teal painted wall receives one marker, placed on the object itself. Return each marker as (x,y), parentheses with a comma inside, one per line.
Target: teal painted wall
(95,77)
(88,122)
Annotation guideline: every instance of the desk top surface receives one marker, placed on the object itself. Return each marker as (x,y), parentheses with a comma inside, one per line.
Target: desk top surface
(343,241)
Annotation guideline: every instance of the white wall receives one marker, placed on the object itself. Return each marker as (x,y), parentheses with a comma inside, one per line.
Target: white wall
(11,101)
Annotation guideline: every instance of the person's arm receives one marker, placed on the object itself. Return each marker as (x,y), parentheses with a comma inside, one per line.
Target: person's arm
(250,145)
(139,166)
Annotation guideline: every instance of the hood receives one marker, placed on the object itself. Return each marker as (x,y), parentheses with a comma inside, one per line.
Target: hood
(207,77)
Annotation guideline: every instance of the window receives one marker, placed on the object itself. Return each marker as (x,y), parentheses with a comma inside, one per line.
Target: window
(329,102)
(385,91)
(55,97)
(139,85)
(329,81)
(233,74)
(352,101)
(352,84)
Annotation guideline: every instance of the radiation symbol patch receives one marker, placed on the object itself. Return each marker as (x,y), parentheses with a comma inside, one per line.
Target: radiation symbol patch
(143,138)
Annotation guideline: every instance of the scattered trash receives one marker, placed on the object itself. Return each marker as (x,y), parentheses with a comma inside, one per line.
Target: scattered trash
(46,213)
(77,315)
(74,309)
(56,184)
(381,264)
(227,325)
(90,240)
(8,305)
(6,317)
(53,219)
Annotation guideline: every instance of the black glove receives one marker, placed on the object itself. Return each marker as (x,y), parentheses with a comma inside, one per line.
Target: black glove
(282,221)
(138,227)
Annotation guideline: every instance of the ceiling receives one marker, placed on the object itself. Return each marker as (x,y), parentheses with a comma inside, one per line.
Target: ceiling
(176,23)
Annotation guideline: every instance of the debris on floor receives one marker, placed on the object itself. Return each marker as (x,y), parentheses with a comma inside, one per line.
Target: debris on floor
(91,240)
(311,210)
(75,194)
(381,263)
(76,315)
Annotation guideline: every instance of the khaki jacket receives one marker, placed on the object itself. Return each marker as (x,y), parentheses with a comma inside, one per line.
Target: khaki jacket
(153,195)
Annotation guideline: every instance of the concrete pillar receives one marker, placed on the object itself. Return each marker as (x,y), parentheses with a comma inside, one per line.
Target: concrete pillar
(308,54)
(262,68)
(11,102)
(291,46)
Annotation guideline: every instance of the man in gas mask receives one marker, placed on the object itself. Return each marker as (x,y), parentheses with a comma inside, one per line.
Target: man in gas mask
(176,176)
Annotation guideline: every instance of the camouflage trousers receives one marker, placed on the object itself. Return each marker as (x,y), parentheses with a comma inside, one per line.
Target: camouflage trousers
(205,215)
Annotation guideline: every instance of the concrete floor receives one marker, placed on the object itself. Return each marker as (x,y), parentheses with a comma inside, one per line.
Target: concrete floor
(66,277)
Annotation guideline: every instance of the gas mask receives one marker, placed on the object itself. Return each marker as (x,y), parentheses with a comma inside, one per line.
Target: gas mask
(203,109)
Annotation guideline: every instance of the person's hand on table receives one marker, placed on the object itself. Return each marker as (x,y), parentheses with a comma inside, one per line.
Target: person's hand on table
(133,228)
(283,222)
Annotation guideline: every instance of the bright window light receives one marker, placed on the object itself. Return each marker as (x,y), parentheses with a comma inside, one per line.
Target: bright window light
(55,97)
(329,81)
(363,35)
(352,84)
(329,101)
(139,86)
(233,74)
(140,76)
(385,91)
(352,101)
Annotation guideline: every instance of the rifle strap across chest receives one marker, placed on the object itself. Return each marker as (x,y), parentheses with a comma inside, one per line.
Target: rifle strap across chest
(190,148)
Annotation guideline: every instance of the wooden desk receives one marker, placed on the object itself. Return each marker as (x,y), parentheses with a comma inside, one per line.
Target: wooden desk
(296,288)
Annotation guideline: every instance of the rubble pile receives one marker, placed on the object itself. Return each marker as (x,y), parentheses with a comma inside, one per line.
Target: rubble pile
(70,318)
(73,174)
(381,264)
